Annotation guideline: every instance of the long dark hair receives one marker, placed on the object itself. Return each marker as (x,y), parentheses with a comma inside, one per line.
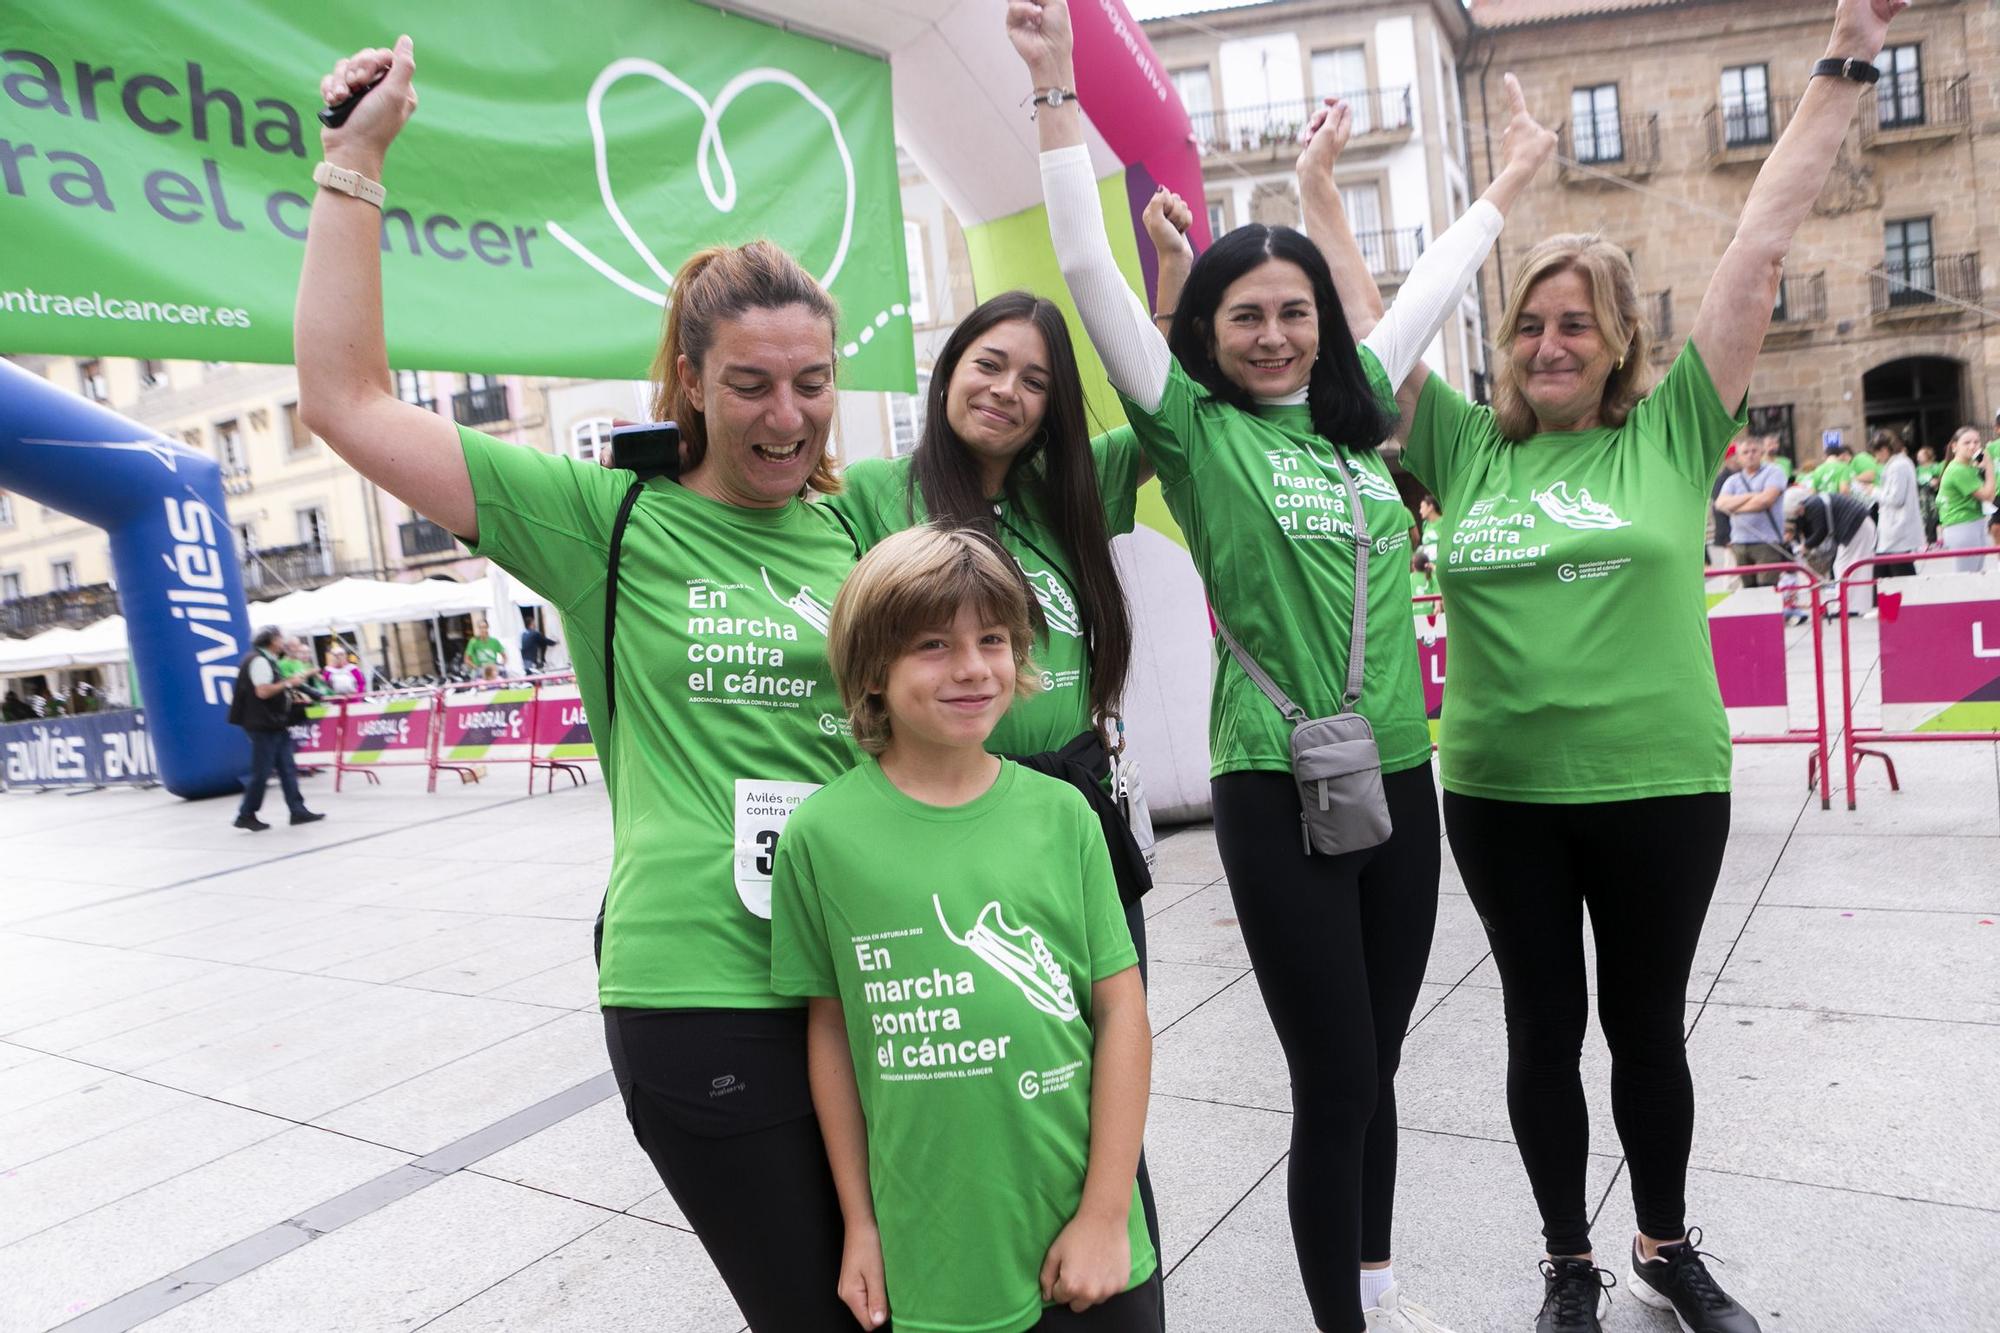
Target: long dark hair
(1055,474)
(1344,407)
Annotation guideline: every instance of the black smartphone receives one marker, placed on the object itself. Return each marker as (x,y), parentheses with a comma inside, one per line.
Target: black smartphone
(650,448)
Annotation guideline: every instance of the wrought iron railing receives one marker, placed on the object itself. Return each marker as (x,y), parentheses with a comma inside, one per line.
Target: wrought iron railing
(1903,102)
(480,407)
(1629,144)
(1801,300)
(423,537)
(1742,128)
(276,570)
(1924,284)
(1247,129)
(27,616)
(1391,252)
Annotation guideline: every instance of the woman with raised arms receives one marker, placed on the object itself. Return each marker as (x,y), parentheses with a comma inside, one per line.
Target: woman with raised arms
(714,717)
(1257,409)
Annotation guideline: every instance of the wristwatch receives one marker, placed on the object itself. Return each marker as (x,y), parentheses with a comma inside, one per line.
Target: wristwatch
(1053,97)
(1854,71)
(350,182)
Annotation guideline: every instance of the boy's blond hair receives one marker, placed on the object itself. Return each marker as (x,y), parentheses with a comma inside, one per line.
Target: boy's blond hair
(913,582)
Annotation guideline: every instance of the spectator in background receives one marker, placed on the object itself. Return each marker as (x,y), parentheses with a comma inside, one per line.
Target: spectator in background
(262,706)
(1750,503)
(1831,474)
(15,709)
(482,650)
(1963,493)
(1718,517)
(535,645)
(1774,454)
(1428,514)
(1863,474)
(1899,524)
(1928,469)
(1835,532)
(343,676)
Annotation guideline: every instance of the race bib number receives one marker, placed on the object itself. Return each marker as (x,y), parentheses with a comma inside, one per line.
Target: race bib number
(761,811)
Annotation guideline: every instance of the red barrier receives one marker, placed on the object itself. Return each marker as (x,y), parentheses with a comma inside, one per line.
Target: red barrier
(1933,655)
(1749,667)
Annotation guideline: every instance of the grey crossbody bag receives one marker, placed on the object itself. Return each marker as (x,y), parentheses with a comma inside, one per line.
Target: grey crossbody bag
(1334,759)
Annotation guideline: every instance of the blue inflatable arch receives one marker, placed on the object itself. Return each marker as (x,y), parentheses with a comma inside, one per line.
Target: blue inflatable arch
(174,556)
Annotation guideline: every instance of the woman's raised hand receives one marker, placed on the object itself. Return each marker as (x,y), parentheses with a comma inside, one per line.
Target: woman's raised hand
(363,140)
(1525,144)
(1861,27)
(1323,137)
(1167,219)
(1040,31)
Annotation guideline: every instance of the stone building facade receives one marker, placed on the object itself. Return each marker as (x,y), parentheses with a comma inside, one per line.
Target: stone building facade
(1667,108)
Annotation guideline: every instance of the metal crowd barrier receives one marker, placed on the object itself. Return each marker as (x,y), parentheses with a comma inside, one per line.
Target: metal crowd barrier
(1931,646)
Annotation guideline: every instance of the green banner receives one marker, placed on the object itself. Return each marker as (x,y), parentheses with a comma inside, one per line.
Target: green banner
(156,165)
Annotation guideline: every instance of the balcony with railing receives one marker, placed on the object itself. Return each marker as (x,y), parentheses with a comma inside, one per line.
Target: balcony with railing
(1391,254)
(480,407)
(70,608)
(1801,303)
(421,537)
(1657,308)
(1907,109)
(1591,147)
(1745,131)
(276,570)
(1916,289)
(1381,116)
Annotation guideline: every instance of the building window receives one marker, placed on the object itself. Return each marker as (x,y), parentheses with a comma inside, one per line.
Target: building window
(1746,105)
(1594,124)
(1776,420)
(410,389)
(229,449)
(1906,261)
(10,587)
(906,416)
(483,402)
(90,374)
(1197,95)
(246,540)
(62,575)
(297,438)
(1218,218)
(6,510)
(920,286)
(152,374)
(1899,97)
(1343,72)
(588,438)
(316,537)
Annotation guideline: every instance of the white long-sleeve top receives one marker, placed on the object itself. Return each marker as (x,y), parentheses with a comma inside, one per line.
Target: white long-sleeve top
(1131,346)
(1900,525)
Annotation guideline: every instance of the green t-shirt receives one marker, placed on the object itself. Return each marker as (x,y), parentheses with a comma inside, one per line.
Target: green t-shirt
(1828,475)
(727,714)
(1862,472)
(964,966)
(1926,471)
(875,499)
(1783,464)
(485,652)
(1580,662)
(1266,521)
(1957,502)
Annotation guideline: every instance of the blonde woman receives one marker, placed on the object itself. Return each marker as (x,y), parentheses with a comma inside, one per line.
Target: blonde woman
(1585,755)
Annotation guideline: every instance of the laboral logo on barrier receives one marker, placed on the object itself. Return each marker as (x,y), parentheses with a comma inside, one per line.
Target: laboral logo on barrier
(158,204)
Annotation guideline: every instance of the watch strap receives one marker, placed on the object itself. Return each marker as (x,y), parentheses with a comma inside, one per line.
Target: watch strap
(1854,71)
(1054,96)
(350,182)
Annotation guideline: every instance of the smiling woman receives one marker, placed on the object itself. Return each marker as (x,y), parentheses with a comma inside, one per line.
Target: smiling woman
(710,716)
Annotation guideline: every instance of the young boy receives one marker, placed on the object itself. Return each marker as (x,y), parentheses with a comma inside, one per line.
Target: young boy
(977,1038)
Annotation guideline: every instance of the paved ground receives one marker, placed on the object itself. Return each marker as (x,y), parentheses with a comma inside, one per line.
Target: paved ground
(350,1076)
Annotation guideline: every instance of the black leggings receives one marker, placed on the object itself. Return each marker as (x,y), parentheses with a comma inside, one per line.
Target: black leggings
(1339,944)
(1136,1311)
(1646,870)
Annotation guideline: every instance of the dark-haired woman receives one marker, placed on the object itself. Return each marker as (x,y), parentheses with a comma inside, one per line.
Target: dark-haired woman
(1254,410)
(710,1061)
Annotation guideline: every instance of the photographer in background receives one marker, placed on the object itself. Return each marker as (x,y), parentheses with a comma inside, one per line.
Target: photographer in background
(262,706)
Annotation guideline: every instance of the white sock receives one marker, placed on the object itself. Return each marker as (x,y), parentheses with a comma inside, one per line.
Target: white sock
(1375,1281)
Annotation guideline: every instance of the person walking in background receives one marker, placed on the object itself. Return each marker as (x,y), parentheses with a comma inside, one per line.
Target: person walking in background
(1899,524)
(1965,487)
(262,706)
(1752,499)
(535,645)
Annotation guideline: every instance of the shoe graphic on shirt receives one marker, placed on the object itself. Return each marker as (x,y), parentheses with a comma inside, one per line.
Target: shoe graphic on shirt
(1019,954)
(1578,511)
(808,607)
(1058,607)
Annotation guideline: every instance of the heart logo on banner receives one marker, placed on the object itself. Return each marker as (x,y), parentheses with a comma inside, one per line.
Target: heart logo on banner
(709,156)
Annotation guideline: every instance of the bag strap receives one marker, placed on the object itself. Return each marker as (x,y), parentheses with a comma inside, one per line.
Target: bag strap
(1358,642)
(611,605)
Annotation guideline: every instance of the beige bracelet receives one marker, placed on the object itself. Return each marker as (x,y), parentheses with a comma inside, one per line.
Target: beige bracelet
(344,181)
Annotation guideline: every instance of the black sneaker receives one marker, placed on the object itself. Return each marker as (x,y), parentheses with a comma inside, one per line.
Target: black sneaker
(307,817)
(1679,1281)
(1573,1296)
(251,822)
